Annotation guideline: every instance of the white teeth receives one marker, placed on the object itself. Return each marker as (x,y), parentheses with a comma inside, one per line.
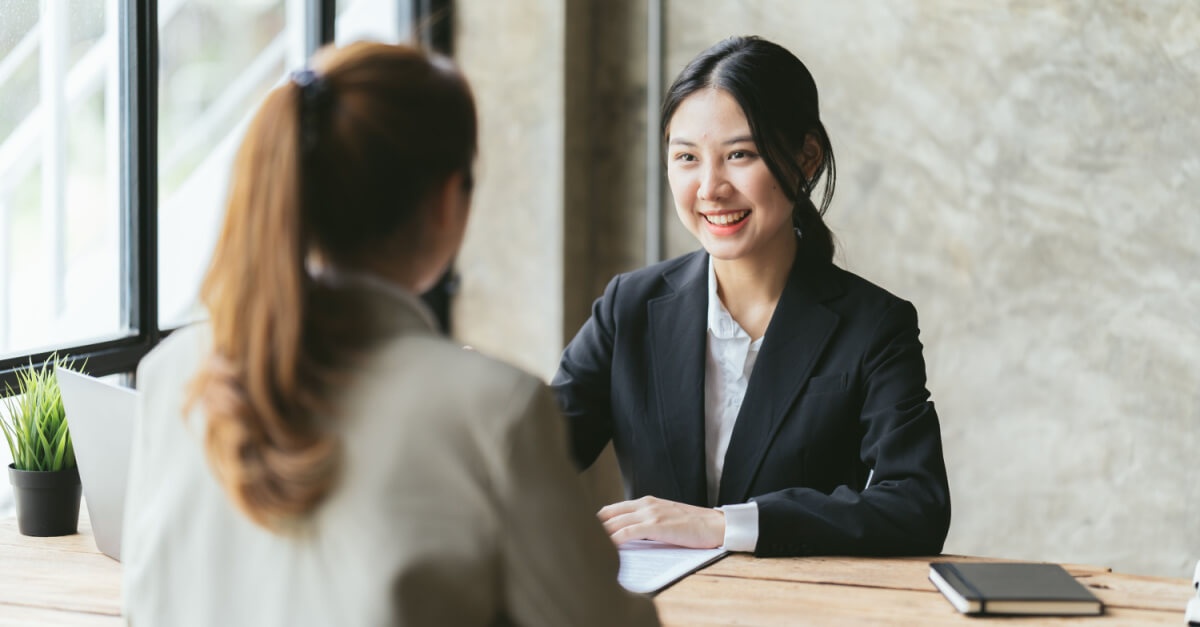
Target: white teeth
(727,218)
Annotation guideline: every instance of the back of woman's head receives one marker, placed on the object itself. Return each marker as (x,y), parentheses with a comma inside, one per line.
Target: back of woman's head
(336,166)
(778,96)
(388,123)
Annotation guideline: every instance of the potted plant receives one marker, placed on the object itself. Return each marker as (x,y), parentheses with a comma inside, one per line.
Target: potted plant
(43,473)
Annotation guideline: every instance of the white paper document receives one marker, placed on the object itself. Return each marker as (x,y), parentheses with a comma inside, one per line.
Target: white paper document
(648,567)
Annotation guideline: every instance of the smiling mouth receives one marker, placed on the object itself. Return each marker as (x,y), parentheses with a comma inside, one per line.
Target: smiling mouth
(726,219)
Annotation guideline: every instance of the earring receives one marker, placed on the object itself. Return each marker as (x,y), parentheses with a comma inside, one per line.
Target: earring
(799,233)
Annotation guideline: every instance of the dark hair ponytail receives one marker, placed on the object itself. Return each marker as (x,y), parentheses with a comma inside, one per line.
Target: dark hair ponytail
(778,96)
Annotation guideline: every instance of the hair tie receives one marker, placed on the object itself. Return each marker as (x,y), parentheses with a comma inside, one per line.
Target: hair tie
(313,90)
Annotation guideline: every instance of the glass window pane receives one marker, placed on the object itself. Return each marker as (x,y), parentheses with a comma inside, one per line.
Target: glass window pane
(217,61)
(60,217)
(376,20)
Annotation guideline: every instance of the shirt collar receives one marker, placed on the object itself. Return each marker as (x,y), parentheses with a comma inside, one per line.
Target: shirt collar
(376,283)
(720,323)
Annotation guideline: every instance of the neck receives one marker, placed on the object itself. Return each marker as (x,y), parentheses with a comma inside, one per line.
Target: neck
(756,278)
(750,287)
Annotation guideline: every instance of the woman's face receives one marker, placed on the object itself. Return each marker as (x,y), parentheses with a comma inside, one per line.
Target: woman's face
(724,193)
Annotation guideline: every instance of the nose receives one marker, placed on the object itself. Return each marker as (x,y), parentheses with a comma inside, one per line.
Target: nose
(713,185)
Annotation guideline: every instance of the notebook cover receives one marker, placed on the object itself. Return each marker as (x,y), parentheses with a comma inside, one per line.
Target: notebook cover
(1029,584)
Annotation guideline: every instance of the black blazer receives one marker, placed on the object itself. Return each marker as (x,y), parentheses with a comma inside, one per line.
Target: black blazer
(838,389)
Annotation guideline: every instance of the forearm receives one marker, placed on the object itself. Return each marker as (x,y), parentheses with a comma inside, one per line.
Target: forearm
(801,521)
(905,511)
(583,381)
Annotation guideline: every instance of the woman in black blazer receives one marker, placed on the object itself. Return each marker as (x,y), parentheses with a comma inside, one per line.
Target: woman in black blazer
(758,397)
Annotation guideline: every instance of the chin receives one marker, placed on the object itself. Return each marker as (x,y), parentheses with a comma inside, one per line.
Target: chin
(722,250)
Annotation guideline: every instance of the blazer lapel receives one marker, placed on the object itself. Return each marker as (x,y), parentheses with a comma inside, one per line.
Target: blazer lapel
(798,332)
(678,339)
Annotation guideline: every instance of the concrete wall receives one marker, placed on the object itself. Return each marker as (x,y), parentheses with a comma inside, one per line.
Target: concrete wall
(1025,173)
(511,263)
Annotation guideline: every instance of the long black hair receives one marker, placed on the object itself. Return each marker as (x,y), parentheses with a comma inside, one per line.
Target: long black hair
(779,99)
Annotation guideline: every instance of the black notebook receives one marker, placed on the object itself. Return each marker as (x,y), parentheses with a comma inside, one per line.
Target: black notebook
(1008,588)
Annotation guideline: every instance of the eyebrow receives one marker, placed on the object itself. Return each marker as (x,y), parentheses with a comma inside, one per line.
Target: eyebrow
(683,141)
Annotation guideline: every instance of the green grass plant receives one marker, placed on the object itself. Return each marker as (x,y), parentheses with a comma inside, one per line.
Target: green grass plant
(35,426)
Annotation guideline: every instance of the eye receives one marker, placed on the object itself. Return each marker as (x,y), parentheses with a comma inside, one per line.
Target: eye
(683,156)
(741,154)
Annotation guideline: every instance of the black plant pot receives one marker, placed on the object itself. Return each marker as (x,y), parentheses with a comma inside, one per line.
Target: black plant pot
(47,501)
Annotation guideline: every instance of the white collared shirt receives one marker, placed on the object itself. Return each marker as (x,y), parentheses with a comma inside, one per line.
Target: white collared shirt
(731,354)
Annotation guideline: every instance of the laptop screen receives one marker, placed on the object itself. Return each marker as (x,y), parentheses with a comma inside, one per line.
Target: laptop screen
(101,416)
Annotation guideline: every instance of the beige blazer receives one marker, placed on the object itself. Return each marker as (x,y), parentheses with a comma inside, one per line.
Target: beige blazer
(457,504)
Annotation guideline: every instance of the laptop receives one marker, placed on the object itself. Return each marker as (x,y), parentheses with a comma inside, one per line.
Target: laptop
(101,417)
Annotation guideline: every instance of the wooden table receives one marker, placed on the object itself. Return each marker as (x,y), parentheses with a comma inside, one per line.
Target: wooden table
(843,590)
(57,581)
(66,581)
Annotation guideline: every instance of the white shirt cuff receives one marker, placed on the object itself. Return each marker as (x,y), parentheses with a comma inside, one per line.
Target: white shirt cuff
(741,526)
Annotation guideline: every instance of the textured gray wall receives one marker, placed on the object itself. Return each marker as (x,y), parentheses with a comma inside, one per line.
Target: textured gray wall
(1026,173)
(511,300)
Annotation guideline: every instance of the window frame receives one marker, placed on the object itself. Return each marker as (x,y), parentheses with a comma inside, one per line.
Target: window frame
(138,44)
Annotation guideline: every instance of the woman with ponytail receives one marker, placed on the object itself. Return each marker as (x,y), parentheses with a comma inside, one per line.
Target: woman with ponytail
(758,397)
(317,453)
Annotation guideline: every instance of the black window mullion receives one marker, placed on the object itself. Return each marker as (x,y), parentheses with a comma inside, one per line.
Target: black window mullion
(321,15)
(140,184)
(435,19)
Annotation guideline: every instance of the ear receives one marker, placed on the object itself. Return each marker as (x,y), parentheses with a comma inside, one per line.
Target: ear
(447,201)
(810,156)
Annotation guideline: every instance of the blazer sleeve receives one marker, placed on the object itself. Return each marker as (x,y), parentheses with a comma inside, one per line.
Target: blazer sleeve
(560,568)
(906,509)
(584,378)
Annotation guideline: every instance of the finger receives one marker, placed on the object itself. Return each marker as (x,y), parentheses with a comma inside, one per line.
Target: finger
(637,531)
(616,509)
(612,525)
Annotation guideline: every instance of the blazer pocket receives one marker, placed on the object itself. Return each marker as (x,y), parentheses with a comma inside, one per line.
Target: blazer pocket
(828,383)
